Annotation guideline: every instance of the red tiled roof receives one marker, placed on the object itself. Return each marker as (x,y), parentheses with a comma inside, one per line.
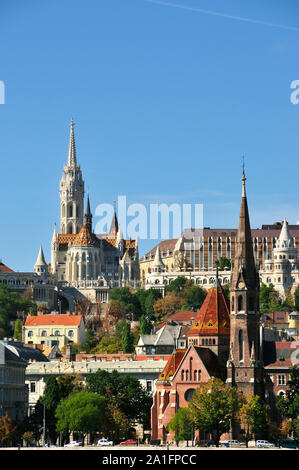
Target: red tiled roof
(213,318)
(64,320)
(5,269)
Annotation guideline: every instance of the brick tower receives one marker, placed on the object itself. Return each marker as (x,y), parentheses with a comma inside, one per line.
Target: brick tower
(244,367)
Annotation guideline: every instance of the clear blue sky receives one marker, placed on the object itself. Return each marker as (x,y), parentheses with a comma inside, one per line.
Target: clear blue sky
(166,98)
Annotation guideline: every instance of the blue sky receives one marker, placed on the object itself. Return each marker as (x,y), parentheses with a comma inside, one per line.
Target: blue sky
(166,98)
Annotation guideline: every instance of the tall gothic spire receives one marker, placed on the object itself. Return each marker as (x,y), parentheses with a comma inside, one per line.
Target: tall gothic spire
(88,216)
(244,259)
(72,159)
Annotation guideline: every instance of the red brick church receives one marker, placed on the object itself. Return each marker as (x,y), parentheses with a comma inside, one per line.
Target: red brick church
(223,341)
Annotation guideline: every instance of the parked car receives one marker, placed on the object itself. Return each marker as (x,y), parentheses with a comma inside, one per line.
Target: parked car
(264,444)
(104,442)
(210,443)
(73,444)
(234,443)
(223,444)
(128,442)
(289,444)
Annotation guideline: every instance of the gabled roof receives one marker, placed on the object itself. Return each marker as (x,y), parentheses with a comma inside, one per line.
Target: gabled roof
(56,319)
(172,365)
(207,357)
(213,318)
(5,269)
(167,335)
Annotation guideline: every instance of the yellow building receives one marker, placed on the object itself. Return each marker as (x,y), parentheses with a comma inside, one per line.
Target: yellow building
(54,329)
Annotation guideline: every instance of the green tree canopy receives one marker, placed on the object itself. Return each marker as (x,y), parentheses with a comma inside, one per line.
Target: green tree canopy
(82,412)
(181,423)
(194,297)
(253,416)
(124,393)
(213,407)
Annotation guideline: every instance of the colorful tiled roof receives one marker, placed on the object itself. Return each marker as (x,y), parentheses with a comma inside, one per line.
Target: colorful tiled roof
(172,365)
(56,319)
(84,238)
(213,317)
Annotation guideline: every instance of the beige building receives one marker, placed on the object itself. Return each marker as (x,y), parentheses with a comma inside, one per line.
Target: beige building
(198,249)
(54,329)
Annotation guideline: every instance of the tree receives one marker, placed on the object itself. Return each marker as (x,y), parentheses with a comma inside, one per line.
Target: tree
(127,339)
(178,285)
(109,344)
(224,263)
(7,430)
(117,426)
(124,393)
(182,424)
(82,412)
(169,305)
(253,416)
(145,325)
(130,299)
(18,326)
(116,310)
(194,297)
(90,340)
(289,405)
(213,407)
(50,399)
(10,304)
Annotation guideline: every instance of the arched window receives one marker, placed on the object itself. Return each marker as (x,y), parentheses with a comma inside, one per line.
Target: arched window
(240,303)
(240,345)
(233,303)
(182,375)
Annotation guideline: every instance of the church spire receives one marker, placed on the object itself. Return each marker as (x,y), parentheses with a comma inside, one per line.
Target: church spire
(244,259)
(72,159)
(88,216)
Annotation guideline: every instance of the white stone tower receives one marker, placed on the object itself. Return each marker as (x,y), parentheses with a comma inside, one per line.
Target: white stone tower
(71,192)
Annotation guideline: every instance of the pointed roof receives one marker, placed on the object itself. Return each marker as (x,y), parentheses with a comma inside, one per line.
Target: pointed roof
(114,226)
(213,318)
(84,238)
(244,263)
(158,259)
(41,258)
(285,238)
(54,236)
(206,356)
(72,159)
(88,211)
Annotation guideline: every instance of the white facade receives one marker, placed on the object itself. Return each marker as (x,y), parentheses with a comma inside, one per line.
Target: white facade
(282,270)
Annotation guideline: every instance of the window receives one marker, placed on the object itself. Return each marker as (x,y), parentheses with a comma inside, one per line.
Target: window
(189,393)
(240,345)
(57,333)
(240,303)
(30,334)
(149,386)
(281,380)
(32,387)
(71,333)
(44,333)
